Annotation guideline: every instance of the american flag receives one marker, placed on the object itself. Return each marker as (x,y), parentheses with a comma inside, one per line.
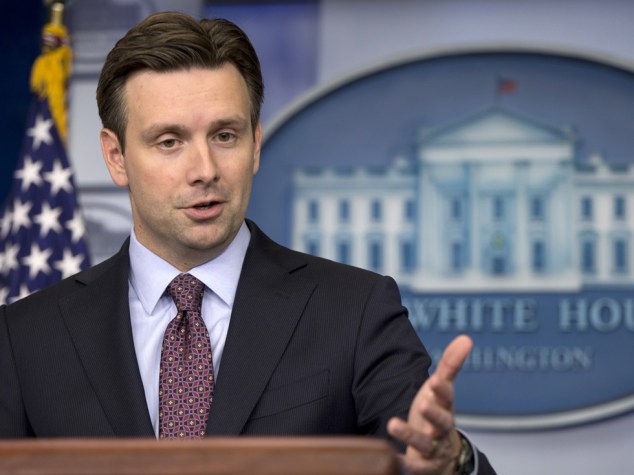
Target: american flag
(42,233)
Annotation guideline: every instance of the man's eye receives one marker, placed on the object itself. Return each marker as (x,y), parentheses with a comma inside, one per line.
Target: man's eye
(168,143)
(225,136)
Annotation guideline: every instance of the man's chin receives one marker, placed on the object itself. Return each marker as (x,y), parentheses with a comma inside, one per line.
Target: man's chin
(208,245)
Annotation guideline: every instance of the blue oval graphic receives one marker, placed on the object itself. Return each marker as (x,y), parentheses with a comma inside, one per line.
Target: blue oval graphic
(497,187)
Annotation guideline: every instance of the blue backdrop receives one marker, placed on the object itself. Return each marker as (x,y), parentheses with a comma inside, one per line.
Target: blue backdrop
(21,23)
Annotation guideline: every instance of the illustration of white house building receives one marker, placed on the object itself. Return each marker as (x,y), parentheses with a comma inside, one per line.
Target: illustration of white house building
(495,202)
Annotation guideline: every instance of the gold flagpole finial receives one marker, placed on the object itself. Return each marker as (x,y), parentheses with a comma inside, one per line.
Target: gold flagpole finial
(57,13)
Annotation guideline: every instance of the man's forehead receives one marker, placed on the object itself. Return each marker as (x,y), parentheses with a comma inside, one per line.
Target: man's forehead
(223,82)
(157,102)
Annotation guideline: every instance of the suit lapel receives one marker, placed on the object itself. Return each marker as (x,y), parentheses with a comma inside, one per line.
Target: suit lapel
(268,304)
(98,320)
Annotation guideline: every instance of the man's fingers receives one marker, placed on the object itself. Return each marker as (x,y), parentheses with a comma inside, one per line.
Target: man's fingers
(414,439)
(429,433)
(454,357)
(443,391)
(441,421)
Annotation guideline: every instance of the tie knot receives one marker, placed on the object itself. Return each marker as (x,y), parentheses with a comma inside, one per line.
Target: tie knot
(187,292)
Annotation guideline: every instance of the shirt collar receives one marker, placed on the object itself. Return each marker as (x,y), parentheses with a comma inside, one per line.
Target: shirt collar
(150,275)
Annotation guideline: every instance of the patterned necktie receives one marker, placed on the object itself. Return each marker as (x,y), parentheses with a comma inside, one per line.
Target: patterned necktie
(186,387)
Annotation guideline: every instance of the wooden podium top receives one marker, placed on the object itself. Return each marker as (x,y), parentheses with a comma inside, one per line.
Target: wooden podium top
(257,456)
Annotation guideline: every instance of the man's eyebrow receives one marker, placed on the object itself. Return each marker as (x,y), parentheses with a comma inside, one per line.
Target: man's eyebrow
(236,122)
(154,131)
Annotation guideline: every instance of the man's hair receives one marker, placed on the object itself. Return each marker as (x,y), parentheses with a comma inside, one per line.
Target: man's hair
(172,41)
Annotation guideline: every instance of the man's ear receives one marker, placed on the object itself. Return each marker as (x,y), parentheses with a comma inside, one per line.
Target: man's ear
(113,156)
(257,147)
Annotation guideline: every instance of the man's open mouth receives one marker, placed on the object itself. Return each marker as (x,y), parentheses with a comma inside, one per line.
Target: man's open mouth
(205,205)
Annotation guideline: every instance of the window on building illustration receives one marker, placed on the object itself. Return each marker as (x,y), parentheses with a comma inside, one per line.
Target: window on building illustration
(620,256)
(539,256)
(588,257)
(455,209)
(410,210)
(498,265)
(313,211)
(456,256)
(537,208)
(586,208)
(344,211)
(407,256)
(619,207)
(377,170)
(313,171)
(376,210)
(312,247)
(498,208)
(375,256)
(344,171)
(343,251)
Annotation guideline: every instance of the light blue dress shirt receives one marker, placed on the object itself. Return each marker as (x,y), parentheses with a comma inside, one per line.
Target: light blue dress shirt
(151,309)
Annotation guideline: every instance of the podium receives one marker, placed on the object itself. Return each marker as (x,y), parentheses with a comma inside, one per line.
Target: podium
(213,456)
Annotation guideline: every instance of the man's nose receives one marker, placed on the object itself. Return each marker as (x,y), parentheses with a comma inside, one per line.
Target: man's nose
(202,167)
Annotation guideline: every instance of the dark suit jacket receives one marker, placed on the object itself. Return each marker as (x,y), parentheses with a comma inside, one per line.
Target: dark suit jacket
(313,347)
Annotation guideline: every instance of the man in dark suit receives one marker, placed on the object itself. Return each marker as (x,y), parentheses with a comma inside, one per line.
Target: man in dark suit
(250,337)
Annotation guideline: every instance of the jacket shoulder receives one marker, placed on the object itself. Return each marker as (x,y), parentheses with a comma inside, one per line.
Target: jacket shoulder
(319,268)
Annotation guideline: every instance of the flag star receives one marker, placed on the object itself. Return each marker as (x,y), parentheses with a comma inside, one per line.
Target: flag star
(24,292)
(4,293)
(37,261)
(21,215)
(10,258)
(41,132)
(69,264)
(5,226)
(59,178)
(29,174)
(48,219)
(76,227)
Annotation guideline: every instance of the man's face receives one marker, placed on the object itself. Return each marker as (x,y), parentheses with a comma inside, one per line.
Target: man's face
(189,161)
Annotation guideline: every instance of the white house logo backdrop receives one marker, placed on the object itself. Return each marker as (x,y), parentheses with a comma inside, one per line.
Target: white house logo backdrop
(497,188)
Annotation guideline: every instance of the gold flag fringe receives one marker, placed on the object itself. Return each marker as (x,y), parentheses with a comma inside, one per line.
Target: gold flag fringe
(51,71)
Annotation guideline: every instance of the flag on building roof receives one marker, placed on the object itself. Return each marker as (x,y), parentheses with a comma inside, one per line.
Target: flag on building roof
(506,86)
(42,233)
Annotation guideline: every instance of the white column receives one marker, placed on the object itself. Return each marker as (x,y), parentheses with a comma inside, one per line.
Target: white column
(521,196)
(474,225)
